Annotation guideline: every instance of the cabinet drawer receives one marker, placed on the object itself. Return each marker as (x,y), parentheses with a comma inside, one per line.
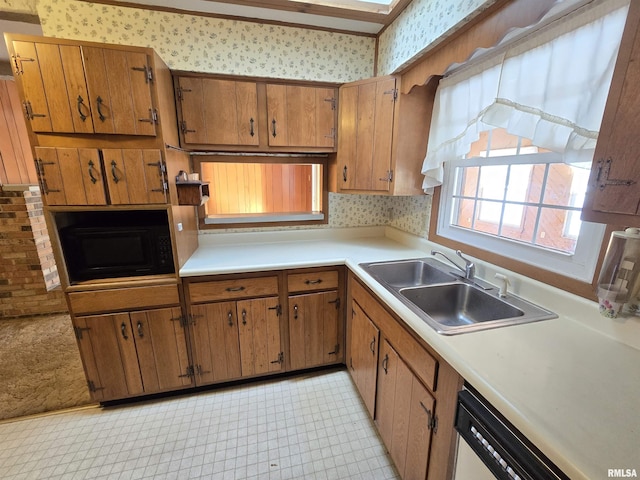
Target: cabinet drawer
(131,298)
(302,282)
(231,289)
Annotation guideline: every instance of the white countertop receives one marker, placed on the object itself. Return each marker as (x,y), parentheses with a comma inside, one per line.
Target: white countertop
(571,384)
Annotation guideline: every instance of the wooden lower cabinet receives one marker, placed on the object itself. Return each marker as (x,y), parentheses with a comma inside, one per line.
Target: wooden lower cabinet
(314,329)
(363,361)
(404,415)
(236,339)
(133,353)
(409,391)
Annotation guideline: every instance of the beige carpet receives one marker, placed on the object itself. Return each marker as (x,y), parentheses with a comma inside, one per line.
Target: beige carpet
(40,367)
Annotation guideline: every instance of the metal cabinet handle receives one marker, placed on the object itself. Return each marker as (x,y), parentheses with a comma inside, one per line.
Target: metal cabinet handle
(230,317)
(114,172)
(295,312)
(344,173)
(91,167)
(385,363)
(235,289)
(81,104)
(251,131)
(273,128)
(372,346)
(99,102)
(139,326)
(313,282)
(123,330)
(244,316)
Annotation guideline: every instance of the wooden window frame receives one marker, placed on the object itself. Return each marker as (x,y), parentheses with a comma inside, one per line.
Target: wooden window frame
(271,224)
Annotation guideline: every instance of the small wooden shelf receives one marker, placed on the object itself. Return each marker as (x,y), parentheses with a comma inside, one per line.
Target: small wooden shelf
(192,192)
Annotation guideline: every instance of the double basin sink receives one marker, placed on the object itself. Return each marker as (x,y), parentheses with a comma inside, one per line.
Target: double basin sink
(449,303)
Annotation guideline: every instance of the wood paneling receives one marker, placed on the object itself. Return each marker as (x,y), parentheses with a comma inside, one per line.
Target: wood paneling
(237,188)
(16,159)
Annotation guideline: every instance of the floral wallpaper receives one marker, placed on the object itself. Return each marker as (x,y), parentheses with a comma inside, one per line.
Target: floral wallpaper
(215,45)
(421,24)
(410,214)
(19,6)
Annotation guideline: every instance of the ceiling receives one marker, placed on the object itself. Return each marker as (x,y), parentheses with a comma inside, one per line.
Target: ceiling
(367,17)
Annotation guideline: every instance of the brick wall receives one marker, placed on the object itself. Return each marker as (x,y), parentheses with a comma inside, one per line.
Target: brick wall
(27,268)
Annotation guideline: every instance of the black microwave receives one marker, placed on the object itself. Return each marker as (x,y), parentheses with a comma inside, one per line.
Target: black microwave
(93,252)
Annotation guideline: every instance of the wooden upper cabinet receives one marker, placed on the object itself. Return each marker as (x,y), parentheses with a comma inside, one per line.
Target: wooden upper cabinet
(253,116)
(119,85)
(70,176)
(382,136)
(613,194)
(88,176)
(301,116)
(135,176)
(80,89)
(218,112)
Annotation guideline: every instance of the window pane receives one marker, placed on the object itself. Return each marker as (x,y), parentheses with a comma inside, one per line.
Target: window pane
(566,185)
(462,213)
(492,182)
(488,217)
(553,229)
(523,230)
(519,181)
(467,180)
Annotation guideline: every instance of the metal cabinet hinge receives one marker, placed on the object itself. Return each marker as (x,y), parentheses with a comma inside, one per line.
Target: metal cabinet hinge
(78,331)
(388,178)
(277,308)
(280,359)
(432,420)
(394,92)
(148,72)
(181,91)
(331,100)
(92,387)
(602,177)
(336,301)
(336,350)
(201,372)
(190,372)
(184,129)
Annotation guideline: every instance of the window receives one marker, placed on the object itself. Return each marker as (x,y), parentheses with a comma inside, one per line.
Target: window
(258,192)
(516,197)
(510,196)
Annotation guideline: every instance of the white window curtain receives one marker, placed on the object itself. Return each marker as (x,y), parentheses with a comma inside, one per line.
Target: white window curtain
(550,86)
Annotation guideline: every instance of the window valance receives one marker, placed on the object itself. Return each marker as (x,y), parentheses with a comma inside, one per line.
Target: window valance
(551,86)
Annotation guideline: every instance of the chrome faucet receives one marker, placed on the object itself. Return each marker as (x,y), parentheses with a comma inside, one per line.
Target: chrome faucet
(469,269)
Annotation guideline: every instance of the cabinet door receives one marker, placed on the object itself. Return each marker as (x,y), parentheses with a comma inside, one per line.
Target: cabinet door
(614,187)
(119,86)
(70,176)
(218,112)
(301,116)
(259,331)
(215,342)
(363,363)
(108,352)
(135,176)
(162,349)
(313,329)
(404,410)
(365,135)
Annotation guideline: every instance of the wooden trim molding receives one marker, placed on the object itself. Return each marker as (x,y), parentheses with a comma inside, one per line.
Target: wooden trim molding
(116,3)
(486,30)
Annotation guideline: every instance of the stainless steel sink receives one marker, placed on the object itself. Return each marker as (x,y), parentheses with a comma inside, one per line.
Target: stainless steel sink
(448,303)
(409,273)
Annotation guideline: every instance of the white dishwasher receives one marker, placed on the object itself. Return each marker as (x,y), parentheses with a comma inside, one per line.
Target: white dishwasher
(489,447)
